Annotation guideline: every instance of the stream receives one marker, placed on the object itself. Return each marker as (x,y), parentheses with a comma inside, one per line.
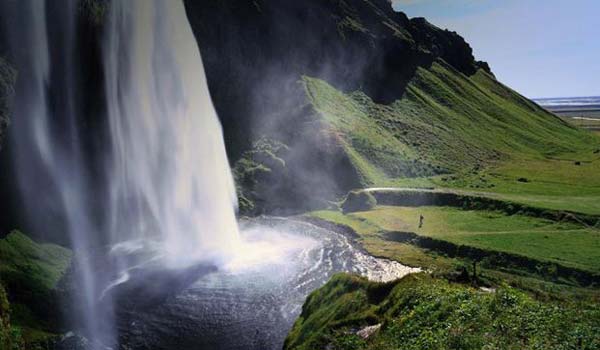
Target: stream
(250,302)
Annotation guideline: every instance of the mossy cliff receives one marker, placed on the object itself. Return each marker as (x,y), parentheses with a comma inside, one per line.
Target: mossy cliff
(360,95)
(30,273)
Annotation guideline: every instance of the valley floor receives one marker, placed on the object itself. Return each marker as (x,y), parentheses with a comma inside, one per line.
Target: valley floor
(512,266)
(571,244)
(524,246)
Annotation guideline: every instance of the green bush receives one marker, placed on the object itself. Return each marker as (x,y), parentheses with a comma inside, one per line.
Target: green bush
(358,201)
(10,337)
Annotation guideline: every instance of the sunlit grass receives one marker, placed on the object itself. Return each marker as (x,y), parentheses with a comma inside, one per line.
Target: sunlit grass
(471,133)
(570,182)
(567,244)
(420,312)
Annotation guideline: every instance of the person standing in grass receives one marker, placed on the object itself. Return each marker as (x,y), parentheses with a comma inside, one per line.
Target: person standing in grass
(421,220)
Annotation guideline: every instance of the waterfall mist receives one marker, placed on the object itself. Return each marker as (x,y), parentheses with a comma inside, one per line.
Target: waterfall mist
(165,180)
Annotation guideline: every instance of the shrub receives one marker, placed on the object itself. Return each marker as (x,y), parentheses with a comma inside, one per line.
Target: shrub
(358,201)
(10,338)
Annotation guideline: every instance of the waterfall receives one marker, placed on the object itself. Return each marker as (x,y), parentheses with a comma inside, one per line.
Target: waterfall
(165,177)
(45,140)
(169,176)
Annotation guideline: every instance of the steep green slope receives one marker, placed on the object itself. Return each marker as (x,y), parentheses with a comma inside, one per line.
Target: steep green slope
(445,123)
(419,312)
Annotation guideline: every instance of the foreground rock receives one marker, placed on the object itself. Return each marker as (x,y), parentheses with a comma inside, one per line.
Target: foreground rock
(31,272)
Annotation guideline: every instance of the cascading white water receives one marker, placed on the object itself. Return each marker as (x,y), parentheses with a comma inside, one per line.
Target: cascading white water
(169,176)
(45,140)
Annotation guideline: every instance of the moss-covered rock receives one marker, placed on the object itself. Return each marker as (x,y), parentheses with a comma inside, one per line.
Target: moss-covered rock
(31,272)
(358,201)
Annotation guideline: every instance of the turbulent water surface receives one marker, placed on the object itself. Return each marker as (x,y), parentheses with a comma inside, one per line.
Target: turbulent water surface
(249,303)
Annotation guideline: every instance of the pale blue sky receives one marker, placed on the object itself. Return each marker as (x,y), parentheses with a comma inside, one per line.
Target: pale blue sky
(541,48)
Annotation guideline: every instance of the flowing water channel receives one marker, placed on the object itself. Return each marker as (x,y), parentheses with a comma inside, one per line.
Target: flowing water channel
(251,303)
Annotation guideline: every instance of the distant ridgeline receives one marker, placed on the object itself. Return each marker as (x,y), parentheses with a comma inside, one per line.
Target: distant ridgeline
(317,97)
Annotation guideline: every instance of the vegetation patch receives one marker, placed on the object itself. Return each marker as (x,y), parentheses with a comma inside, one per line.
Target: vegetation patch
(545,240)
(475,200)
(421,312)
(10,337)
(468,133)
(31,272)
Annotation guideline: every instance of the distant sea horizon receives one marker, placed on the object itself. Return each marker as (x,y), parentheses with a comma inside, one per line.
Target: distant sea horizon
(578,101)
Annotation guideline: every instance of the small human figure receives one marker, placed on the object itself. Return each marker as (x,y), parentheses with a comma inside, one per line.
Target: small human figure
(421,221)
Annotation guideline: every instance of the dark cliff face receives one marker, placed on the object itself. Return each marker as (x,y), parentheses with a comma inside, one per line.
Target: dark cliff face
(255,53)
(7,79)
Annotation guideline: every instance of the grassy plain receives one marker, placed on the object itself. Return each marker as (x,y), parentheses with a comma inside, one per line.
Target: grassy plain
(566,244)
(567,182)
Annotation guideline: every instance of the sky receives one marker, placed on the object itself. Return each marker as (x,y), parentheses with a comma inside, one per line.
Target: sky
(541,48)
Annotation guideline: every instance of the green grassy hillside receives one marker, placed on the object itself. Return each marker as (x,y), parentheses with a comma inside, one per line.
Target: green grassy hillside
(454,131)
(446,122)
(420,312)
